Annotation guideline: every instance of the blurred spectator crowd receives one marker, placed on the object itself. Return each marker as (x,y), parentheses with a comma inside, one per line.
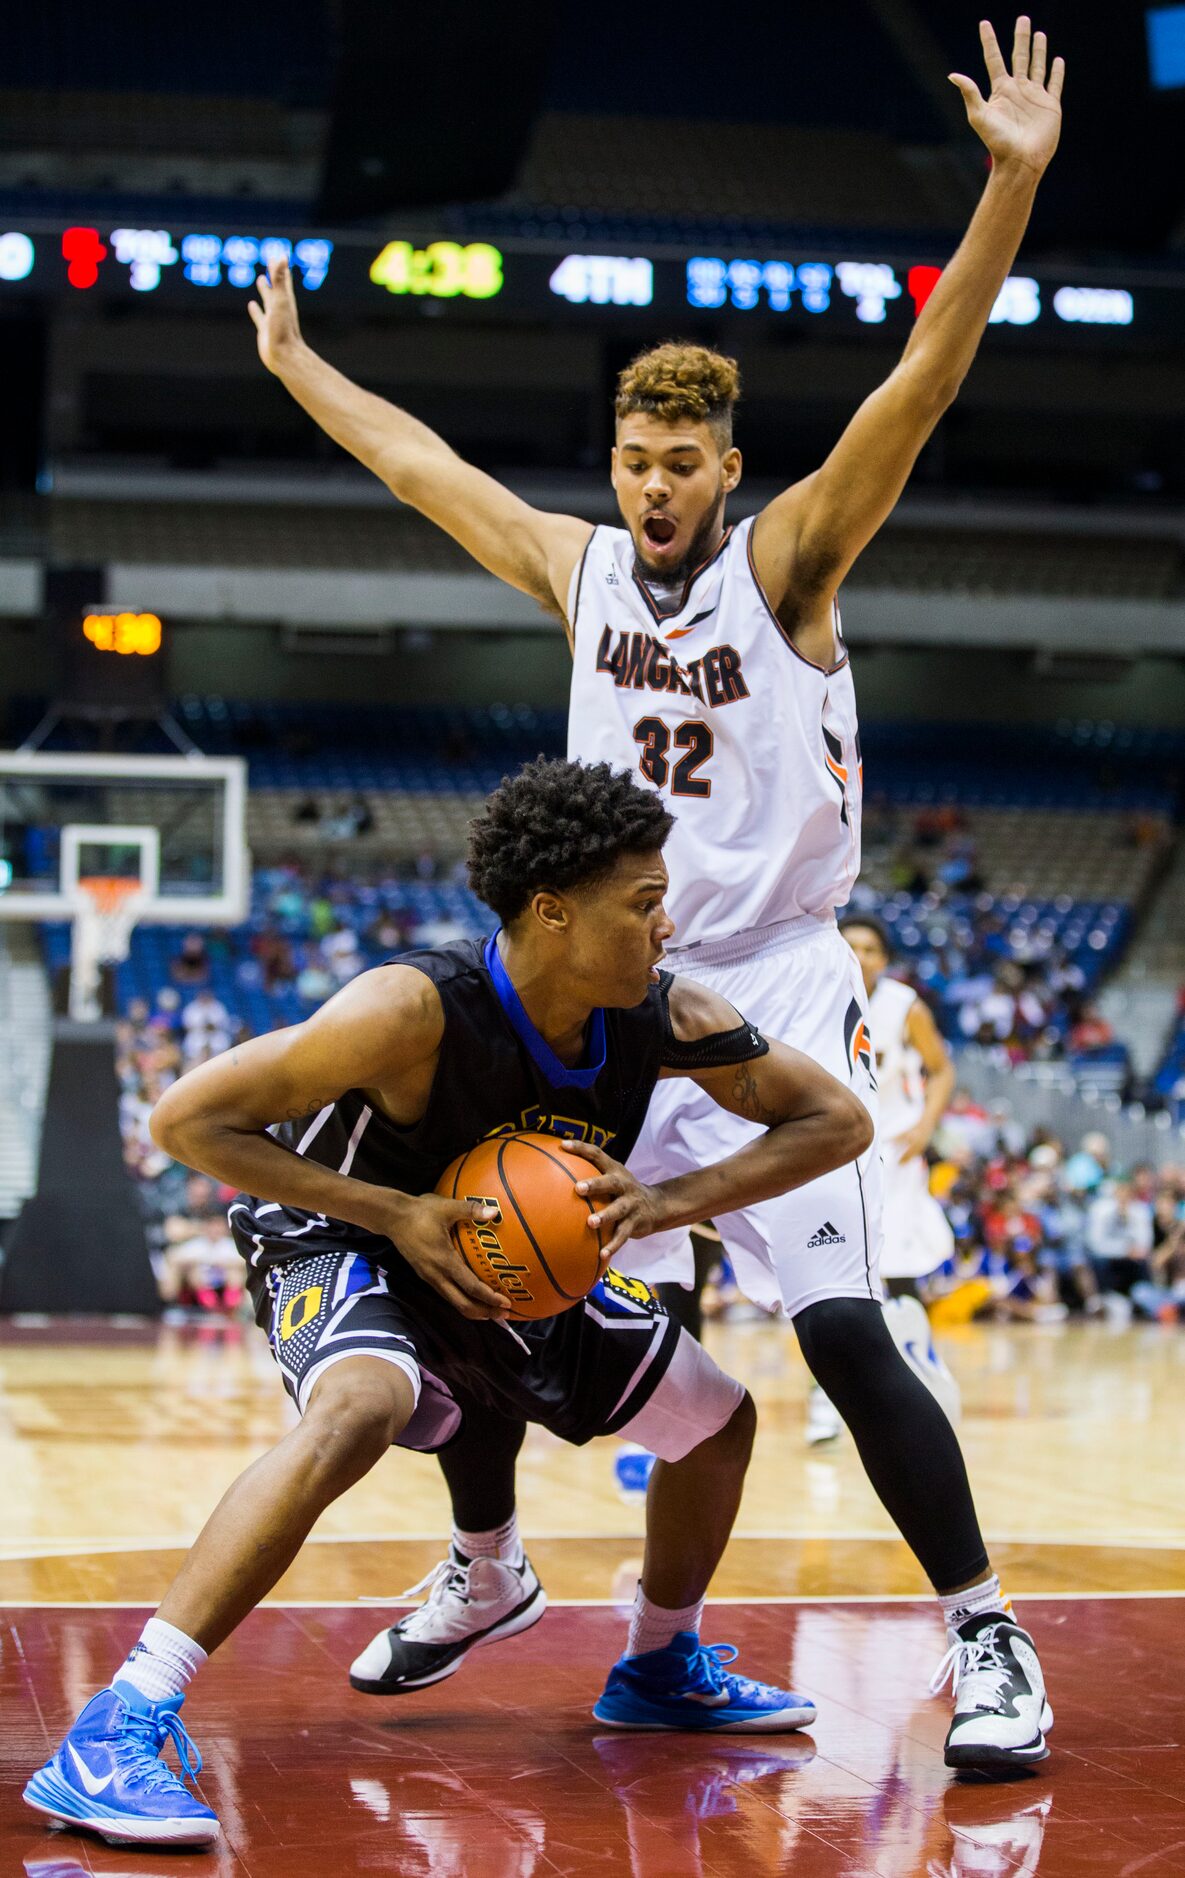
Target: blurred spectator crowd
(1004,970)
(1042,1230)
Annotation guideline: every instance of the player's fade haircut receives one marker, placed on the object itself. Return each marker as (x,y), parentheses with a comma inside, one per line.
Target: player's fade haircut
(559,825)
(682,383)
(875,926)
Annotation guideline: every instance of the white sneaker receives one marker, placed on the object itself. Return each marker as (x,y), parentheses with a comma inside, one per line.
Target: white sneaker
(823,1419)
(1001,1715)
(909,1327)
(467,1605)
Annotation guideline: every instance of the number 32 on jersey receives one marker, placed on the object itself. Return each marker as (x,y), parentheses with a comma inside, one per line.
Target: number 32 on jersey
(658,765)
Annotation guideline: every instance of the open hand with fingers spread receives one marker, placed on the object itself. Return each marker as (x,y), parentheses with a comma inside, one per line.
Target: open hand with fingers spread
(274,315)
(1020,120)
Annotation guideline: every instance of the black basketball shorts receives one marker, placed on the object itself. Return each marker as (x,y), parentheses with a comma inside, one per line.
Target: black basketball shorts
(614,1364)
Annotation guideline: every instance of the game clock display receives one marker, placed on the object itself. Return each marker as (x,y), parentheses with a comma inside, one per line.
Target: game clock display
(813,290)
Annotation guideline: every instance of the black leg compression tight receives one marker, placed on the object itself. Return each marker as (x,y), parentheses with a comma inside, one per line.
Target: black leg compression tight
(478,1467)
(910,1451)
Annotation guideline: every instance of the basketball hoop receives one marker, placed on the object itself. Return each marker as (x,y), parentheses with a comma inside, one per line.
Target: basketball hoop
(106,907)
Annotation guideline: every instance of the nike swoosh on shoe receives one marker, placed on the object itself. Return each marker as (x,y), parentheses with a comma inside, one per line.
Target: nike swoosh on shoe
(92,1782)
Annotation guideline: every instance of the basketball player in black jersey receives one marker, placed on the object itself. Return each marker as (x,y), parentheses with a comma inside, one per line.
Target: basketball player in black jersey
(338,1130)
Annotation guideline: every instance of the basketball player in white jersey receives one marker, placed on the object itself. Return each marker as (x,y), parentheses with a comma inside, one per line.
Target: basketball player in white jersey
(916,1079)
(709,660)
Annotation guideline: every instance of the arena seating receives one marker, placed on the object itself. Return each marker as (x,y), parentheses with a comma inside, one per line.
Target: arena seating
(960,560)
(987,854)
(582,171)
(85,122)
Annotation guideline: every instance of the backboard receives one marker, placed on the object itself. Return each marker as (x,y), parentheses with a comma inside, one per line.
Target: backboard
(176,822)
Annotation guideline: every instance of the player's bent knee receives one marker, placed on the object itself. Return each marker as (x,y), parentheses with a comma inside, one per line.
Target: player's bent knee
(355,1411)
(693,1402)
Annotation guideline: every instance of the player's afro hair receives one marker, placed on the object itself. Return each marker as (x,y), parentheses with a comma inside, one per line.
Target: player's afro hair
(679,382)
(559,825)
(872,924)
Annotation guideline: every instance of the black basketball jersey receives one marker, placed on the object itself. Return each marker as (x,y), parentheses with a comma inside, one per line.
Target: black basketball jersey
(495,1075)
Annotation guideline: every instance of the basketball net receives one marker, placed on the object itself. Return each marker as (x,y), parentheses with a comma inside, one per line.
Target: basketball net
(105,911)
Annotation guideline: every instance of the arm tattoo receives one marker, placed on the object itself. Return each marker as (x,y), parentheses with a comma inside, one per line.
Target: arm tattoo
(314,1104)
(748,1101)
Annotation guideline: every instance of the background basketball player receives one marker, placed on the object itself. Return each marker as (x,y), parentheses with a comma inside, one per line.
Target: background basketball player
(711,660)
(916,1079)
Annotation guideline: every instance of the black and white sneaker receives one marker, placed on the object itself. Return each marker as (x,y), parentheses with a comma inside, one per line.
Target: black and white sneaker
(467,1604)
(1001,1715)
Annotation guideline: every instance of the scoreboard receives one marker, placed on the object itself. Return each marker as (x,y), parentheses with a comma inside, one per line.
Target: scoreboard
(807,287)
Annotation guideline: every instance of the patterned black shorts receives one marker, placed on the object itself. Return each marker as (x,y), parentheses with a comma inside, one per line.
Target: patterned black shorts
(587,1372)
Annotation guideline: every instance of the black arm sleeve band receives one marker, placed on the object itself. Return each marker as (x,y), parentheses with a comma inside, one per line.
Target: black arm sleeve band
(726,1047)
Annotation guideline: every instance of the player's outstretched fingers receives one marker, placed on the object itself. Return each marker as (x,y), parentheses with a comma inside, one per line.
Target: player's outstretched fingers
(1037,61)
(1022,46)
(993,57)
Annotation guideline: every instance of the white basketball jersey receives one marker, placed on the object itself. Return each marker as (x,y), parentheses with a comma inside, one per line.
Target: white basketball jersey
(754,749)
(899,1069)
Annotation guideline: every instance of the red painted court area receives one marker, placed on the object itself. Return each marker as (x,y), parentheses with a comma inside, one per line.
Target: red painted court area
(502,1772)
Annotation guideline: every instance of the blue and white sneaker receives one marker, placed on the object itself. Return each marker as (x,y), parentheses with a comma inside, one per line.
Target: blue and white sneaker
(686,1687)
(108,1775)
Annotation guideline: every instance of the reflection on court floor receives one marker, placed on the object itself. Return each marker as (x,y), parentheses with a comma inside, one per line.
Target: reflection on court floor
(502,1772)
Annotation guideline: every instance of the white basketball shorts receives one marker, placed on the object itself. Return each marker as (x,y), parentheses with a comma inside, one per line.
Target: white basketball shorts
(799,983)
(918,1238)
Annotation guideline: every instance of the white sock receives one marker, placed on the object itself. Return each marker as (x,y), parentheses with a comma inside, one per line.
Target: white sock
(974,1602)
(652,1628)
(500,1542)
(162,1663)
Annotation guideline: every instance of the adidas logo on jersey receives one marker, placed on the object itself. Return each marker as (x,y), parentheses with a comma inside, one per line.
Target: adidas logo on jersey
(826,1235)
(611,579)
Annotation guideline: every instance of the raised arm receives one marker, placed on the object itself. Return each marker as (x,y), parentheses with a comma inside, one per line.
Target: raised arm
(528,548)
(812,1124)
(382,1028)
(808,537)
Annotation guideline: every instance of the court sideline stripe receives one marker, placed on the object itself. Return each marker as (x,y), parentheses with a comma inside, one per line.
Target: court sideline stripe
(12,1551)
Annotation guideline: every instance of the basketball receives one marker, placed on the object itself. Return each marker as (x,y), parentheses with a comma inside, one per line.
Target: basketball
(539,1251)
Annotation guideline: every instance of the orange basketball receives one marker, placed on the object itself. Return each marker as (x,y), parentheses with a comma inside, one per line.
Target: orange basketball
(540,1251)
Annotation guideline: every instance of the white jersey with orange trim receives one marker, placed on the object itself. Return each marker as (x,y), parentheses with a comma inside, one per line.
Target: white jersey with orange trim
(899,1070)
(917,1235)
(754,749)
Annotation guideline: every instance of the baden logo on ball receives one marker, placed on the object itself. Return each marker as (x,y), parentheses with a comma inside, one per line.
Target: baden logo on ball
(539,1251)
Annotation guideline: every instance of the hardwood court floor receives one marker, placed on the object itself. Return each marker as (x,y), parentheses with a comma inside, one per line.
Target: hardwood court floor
(114,1444)
(501,1773)
(113,1451)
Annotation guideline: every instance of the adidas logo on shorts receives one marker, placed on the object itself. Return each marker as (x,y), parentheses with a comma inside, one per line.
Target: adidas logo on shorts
(826,1235)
